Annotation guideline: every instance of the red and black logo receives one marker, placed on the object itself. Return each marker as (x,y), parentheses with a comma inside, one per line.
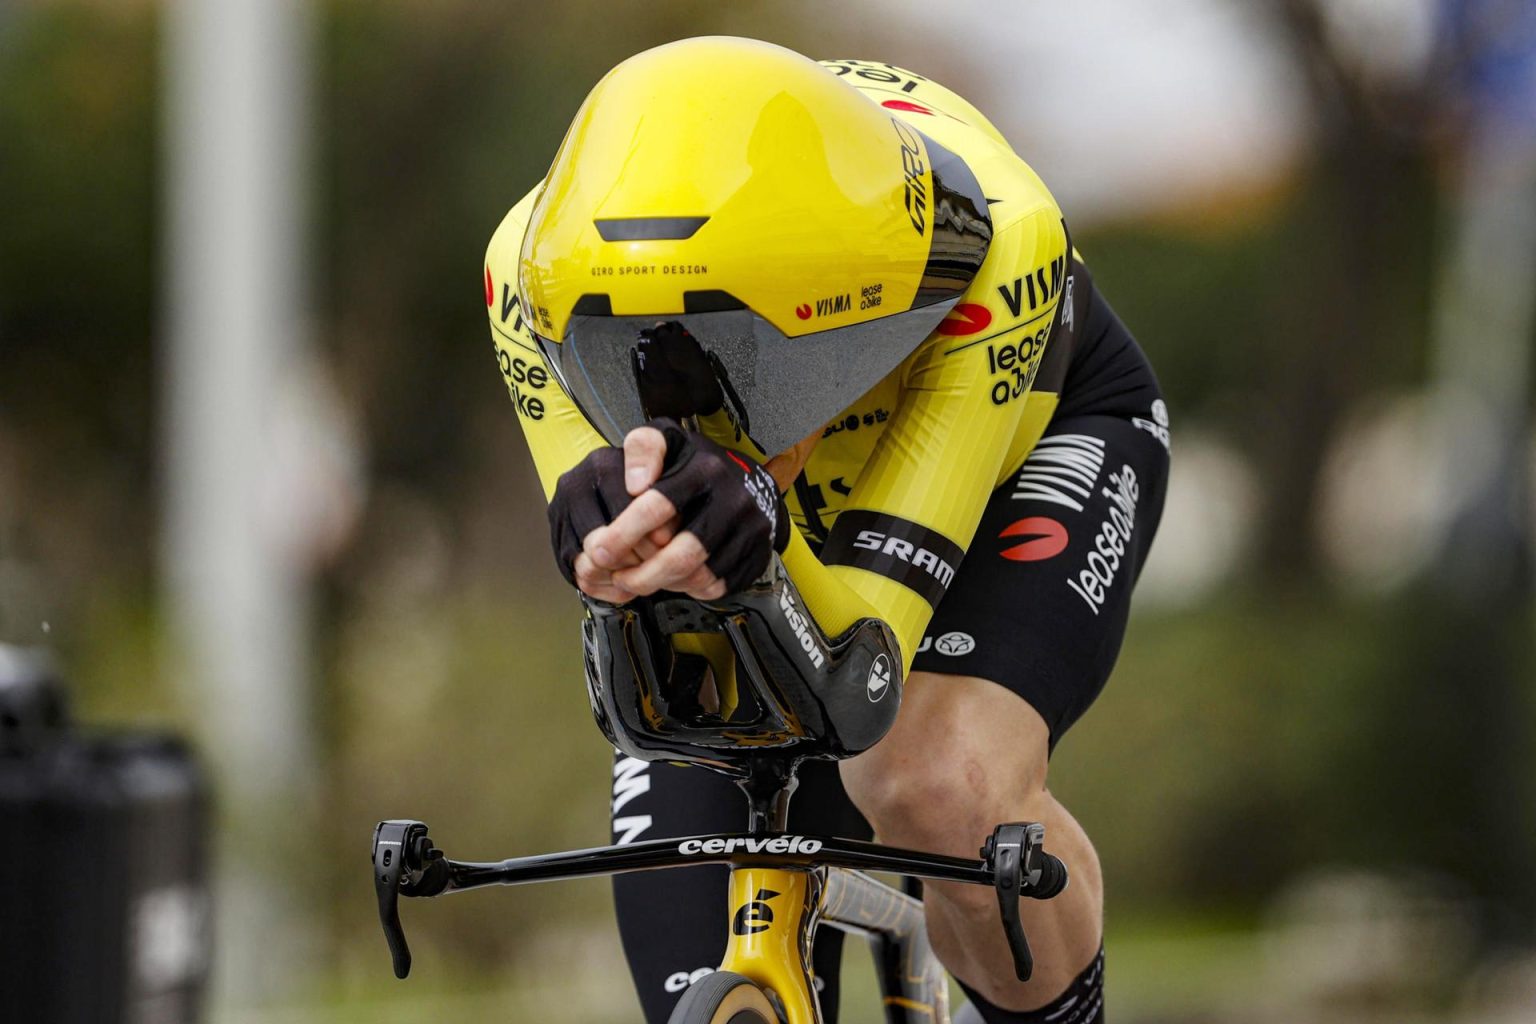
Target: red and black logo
(908,106)
(830,306)
(1043,538)
(966,318)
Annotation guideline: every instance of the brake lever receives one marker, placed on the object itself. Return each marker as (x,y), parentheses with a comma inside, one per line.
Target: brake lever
(1013,852)
(404,860)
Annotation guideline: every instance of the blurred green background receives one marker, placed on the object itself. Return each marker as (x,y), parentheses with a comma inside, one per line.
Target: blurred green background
(1311,780)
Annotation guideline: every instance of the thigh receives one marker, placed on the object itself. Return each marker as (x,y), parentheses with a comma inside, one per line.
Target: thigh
(672,923)
(1039,605)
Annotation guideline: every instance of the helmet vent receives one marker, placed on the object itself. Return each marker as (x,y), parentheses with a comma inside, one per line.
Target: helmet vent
(593,304)
(711,301)
(648,229)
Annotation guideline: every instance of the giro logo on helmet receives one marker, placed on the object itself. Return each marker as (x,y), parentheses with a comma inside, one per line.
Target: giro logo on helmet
(913,168)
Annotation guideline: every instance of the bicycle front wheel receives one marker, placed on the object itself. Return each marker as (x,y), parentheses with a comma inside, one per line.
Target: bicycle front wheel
(724,998)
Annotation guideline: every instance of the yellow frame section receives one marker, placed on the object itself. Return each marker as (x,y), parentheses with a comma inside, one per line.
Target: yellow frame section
(770,936)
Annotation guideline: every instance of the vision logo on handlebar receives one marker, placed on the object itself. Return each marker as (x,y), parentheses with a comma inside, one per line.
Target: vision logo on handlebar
(801,625)
(777,844)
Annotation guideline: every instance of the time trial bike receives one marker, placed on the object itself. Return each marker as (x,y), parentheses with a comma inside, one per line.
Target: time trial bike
(655,704)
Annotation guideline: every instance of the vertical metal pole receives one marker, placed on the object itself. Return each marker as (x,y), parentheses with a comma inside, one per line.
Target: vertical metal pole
(235,104)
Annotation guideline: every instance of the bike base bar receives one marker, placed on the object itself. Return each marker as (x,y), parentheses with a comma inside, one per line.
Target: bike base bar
(1013,862)
(777,850)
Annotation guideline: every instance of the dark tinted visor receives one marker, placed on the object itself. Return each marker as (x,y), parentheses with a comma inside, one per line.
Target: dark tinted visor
(785,388)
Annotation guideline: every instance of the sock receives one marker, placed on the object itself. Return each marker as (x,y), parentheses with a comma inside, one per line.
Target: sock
(1081,1003)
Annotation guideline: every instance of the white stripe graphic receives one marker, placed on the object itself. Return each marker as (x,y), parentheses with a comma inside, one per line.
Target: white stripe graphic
(1054,468)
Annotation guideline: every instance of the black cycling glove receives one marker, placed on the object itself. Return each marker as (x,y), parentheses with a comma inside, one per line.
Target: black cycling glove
(673,374)
(727,501)
(589,495)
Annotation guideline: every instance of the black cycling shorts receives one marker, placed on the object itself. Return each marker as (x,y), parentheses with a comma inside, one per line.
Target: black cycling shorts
(1040,603)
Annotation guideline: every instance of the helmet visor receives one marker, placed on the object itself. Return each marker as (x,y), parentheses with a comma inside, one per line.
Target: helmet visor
(783,389)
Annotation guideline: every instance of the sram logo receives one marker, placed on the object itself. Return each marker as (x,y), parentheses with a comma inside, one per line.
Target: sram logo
(919,558)
(747,844)
(906,551)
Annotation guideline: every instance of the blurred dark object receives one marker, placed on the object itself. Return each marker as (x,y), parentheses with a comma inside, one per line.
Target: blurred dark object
(104,903)
(33,709)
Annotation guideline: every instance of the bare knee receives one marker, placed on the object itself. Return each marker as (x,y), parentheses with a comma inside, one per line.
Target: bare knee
(964,755)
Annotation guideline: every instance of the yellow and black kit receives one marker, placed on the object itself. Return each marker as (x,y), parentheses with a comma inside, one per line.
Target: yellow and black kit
(868,263)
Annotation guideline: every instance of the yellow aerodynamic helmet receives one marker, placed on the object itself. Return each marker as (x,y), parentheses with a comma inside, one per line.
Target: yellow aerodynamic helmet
(805,237)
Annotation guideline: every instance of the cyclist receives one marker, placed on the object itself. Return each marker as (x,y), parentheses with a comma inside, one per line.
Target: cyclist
(763,304)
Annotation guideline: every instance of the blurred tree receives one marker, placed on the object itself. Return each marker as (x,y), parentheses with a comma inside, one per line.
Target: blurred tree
(77,290)
(1357,281)
(1450,747)
(1477,663)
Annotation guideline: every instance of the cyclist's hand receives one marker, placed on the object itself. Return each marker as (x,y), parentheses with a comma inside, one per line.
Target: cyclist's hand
(716,516)
(586,498)
(605,548)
